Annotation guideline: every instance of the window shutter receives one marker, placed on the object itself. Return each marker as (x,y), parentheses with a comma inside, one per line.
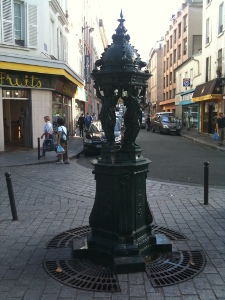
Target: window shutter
(32,25)
(7,21)
(65,49)
(59,43)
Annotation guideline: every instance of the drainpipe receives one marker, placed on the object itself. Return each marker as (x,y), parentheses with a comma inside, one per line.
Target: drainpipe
(198,67)
(198,104)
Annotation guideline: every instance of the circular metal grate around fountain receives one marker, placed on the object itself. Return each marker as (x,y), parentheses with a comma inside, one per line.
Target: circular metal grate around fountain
(175,268)
(64,239)
(82,274)
(163,270)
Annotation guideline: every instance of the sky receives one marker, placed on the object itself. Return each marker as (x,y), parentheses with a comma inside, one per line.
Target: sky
(146,20)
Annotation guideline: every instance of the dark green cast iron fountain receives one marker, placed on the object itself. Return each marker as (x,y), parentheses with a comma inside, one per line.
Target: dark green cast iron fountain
(121,236)
(120,220)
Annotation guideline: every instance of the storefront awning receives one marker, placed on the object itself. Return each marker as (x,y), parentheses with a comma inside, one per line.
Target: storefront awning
(80,94)
(41,66)
(210,90)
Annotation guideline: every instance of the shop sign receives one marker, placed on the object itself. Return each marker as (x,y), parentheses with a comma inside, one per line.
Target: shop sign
(24,80)
(87,69)
(186,82)
(187,97)
(66,87)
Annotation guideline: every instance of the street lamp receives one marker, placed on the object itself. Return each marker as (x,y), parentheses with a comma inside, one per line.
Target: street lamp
(90,30)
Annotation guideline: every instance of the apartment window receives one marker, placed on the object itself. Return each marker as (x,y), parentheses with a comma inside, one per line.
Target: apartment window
(167,80)
(207,40)
(174,76)
(219,64)
(208,69)
(167,63)
(164,66)
(18,23)
(171,77)
(179,30)
(221,13)
(164,50)
(174,56)
(167,46)
(171,43)
(185,46)
(175,36)
(185,23)
(179,52)
(171,60)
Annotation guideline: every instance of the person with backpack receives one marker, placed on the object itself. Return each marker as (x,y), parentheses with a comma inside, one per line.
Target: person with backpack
(88,120)
(62,141)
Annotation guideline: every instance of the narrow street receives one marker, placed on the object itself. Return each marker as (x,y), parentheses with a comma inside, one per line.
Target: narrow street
(177,159)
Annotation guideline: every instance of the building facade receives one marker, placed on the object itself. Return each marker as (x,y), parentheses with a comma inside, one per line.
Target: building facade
(155,85)
(209,95)
(183,40)
(47,54)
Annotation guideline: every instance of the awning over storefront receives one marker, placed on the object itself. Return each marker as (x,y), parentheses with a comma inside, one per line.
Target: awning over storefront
(80,94)
(210,90)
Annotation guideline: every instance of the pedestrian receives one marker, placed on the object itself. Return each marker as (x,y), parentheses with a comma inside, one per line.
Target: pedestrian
(62,140)
(148,122)
(220,128)
(48,133)
(88,120)
(81,124)
(94,117)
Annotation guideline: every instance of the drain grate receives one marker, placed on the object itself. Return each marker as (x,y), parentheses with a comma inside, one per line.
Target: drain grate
(175,268)
(171,234)
(82,274)
(64,239)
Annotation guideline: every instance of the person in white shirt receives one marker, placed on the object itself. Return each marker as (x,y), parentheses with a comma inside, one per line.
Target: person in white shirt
(48,132)
(62,140)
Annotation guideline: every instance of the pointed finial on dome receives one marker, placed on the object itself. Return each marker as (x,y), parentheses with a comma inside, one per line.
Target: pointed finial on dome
(121,31)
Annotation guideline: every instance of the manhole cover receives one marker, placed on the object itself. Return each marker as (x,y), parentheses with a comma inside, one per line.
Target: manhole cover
(64,239)
(175,268)
(82,274)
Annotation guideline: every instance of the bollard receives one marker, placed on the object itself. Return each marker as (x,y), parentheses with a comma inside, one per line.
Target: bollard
(206,182)
(39,149)
(11,196)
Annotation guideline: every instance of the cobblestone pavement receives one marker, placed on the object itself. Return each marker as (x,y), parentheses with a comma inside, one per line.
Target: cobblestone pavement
(51,199)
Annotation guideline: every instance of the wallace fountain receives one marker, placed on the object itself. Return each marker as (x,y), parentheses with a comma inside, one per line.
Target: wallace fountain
(121,236)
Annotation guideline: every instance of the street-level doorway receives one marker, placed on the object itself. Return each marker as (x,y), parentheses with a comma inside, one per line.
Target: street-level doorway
(17,119)
(210,113)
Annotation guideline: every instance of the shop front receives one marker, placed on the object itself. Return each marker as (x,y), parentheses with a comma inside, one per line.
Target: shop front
(209,98)
(190,111)
(27,96)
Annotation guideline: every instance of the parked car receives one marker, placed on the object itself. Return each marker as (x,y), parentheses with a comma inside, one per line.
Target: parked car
(94,138)
(166,124)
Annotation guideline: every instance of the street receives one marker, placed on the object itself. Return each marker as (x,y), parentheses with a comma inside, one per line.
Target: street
(177,159)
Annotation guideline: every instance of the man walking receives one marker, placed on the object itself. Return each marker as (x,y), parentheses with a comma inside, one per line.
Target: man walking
(81,124)
(88,120)
(220,126)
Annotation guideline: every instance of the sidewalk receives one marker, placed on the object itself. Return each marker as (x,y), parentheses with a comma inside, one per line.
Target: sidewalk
(202,138)
(30,156)
(52,205)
